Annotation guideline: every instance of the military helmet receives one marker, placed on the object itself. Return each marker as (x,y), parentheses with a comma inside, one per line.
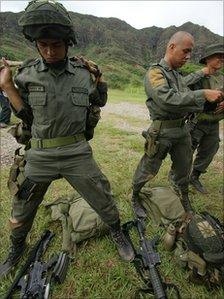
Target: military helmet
(46,14)
(211,50)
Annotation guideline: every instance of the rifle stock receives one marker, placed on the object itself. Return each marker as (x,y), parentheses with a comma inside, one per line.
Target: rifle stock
(11,63)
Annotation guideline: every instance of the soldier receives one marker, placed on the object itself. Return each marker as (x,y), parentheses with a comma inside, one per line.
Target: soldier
(169,100)
(205,126)
(52,98)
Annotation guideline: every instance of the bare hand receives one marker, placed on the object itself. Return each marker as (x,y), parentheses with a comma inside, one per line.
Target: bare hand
(220,108)
(5,76)
(208,70)
(212,95)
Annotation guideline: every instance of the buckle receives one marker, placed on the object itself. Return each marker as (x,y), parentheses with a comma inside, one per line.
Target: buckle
(39,143)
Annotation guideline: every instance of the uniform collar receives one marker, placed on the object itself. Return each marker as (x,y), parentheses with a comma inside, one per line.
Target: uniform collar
(69,66)
(165,65)
(42,66)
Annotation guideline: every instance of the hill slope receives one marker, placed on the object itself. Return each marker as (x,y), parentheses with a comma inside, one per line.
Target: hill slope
(122,51)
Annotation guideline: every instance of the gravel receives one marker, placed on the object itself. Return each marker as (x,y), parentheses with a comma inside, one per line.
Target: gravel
(8,144)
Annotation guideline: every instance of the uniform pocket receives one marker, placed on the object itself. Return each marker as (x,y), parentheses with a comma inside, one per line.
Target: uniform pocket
(151,144)
(80,99)
(38,102)
(151,147)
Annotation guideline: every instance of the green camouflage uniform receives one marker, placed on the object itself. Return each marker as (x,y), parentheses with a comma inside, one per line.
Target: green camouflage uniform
(56,104)
(169,100)
(205,132)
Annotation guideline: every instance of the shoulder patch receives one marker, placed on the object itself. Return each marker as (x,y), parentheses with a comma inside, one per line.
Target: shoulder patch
(156,77)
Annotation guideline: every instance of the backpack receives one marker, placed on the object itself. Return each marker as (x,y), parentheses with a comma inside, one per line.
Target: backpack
(79,221)
(162,204)
(197,244)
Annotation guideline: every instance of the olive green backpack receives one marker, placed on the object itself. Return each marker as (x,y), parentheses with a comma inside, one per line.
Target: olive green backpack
(197,243)
(162,205)
(79,221)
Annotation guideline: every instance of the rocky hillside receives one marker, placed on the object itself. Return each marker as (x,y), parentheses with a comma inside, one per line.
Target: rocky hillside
(123,51)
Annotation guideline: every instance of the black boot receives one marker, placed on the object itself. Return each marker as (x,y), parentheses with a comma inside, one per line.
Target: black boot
(124,248)
(194,180)
(186,202)
(15,252)
(137,207)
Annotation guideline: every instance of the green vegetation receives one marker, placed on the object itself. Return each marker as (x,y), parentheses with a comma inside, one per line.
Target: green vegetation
(96,271)
(133,95)
(190,68)
(122,52)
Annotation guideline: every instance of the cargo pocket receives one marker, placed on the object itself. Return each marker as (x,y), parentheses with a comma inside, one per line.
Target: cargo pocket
(16,174)
(151,144)
(38,102)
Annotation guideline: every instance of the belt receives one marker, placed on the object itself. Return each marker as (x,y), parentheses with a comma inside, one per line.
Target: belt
(55,142)
(166,124)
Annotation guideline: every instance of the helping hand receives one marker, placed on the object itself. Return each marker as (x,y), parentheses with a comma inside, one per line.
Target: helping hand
(212,95)
(208,70)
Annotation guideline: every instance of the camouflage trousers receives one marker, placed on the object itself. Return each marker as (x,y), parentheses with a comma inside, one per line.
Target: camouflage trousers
(205,141)
(75,163)
(177,143)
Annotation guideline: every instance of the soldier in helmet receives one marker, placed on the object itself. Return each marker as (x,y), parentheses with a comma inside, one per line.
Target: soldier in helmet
(205,125)
(51,96)
(169,100)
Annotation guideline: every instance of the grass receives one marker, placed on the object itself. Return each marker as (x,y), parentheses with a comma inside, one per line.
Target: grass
(129,95)
(96,272)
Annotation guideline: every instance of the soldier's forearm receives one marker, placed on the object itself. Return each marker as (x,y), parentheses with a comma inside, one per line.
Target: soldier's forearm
(14,97)
(193,77)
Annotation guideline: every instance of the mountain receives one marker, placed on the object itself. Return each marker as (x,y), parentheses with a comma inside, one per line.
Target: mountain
(122,51)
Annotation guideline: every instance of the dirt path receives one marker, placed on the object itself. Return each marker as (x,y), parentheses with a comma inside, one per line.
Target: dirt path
(122,111)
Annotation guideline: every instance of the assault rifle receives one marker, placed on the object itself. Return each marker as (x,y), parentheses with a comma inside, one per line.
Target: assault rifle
(34,279)
(146,261)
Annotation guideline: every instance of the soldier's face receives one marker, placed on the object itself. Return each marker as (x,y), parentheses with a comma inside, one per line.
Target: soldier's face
(181,52)
(52,50)
(215,61)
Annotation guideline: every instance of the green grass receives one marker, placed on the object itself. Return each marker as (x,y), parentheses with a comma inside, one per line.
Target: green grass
(96,271)
(131,95)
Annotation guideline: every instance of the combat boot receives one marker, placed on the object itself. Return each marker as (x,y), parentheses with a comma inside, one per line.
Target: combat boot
(137,207)
(124,247)
(186,202)
(15,252)
(194,180)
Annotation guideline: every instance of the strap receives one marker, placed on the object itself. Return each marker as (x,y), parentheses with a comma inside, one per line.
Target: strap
(210,117)
(165,124)
(55,142)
